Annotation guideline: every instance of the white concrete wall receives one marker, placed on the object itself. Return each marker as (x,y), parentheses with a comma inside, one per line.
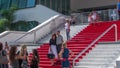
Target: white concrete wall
(39,13)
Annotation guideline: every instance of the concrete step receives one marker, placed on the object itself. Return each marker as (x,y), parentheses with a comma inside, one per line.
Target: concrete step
(104,53)
(107,49)
(106,56)
(93,65)
(94,62)
(91,55)
(107,45)
(97,59)
(88,66)
(101,57)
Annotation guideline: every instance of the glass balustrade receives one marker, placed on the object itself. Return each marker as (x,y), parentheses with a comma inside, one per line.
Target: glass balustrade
(104,15)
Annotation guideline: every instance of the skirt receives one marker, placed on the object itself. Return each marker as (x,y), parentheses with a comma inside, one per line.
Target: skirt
(54,51)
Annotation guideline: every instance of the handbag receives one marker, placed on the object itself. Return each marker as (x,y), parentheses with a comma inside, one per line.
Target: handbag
(51,56)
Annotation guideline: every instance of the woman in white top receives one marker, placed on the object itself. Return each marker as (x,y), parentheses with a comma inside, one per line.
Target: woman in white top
(90,19)
(95,16)
(67,27)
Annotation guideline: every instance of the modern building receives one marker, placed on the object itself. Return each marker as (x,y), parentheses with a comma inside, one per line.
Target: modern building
(62,6)
(88,5)
(66,6)
(5,4)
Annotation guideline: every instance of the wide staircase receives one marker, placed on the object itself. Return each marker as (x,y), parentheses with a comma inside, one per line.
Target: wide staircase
(102,56)
(81,41)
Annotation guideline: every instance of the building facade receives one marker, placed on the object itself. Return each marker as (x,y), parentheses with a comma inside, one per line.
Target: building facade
(77,5)
(67,6)
(5,4)
(62,6)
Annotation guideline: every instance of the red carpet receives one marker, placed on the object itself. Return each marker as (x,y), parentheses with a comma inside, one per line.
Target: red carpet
(81,41)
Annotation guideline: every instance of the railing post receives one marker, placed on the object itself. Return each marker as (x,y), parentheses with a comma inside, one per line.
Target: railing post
(34,37)
(116,33)
(73,63)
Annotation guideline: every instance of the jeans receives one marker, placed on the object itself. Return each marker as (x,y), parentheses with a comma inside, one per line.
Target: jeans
(59,48)
(68,34)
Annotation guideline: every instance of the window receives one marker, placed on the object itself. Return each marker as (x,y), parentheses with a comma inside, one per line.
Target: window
(68,6)
(53,4)
(42,2)
(59,5)
(14,3)
(30,3)
(22,3)
(48,3)
(4,4)
(63,6)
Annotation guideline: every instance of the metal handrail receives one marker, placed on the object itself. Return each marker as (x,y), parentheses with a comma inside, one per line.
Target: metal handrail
(114,25)
(34,30)
(8,32)
(30,32)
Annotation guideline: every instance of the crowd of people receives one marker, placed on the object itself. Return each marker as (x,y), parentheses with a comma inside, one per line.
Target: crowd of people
(10,57)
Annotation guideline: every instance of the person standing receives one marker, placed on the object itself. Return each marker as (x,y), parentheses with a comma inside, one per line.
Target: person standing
(94,16)
(59,41)
(6,48)
(23,52)
(118,8)
(67,28)
(64,53)
(35,59)
(3,57)
(52,49)
(90,19)
(13,57)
